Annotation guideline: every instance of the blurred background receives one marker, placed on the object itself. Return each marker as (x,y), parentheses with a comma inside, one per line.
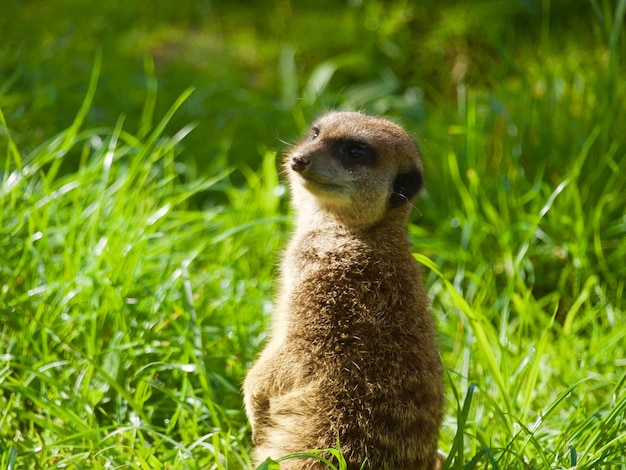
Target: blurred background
(262,69)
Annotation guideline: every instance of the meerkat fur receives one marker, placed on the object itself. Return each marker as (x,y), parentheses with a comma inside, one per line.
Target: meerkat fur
(352,355)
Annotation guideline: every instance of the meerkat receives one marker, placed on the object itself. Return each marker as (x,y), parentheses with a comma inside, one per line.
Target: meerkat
(352,355)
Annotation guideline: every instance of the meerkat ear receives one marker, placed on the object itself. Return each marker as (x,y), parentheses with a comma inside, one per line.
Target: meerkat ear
(405,186)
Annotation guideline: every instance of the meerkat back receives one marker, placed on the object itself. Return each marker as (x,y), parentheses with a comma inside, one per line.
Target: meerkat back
(352,356)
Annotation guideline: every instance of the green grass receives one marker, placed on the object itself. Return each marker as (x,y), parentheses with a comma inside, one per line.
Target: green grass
(135,288)
(127,319)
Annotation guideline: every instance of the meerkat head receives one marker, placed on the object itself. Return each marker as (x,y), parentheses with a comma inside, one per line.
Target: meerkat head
(355,167)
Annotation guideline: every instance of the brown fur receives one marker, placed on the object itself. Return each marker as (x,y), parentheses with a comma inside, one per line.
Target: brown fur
(352,355)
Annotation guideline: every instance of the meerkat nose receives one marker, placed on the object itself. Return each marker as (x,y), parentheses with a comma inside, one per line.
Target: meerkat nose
(299,163)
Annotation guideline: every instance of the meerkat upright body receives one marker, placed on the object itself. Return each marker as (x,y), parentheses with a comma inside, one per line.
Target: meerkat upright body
(352,356)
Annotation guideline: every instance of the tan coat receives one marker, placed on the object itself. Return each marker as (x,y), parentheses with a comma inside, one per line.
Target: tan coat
(352,355)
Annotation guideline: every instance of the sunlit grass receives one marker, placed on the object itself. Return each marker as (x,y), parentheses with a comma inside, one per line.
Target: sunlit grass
(127,318)
(135,292)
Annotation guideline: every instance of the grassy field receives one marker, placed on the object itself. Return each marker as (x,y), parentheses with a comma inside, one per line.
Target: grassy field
(136,278)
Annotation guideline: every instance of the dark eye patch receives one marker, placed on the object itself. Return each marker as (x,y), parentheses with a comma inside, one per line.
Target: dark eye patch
(315,131)
(354,153)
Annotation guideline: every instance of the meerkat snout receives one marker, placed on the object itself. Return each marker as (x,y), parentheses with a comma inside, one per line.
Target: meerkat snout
(300,163)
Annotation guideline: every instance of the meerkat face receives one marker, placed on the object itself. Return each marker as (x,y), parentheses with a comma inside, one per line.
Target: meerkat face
(355,166)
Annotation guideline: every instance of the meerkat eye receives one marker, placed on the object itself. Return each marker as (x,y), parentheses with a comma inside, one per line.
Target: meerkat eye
(357,153)
(314,133)
(353,153)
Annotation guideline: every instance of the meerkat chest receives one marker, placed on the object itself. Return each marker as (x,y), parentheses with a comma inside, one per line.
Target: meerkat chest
(326,258)
(340,284)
